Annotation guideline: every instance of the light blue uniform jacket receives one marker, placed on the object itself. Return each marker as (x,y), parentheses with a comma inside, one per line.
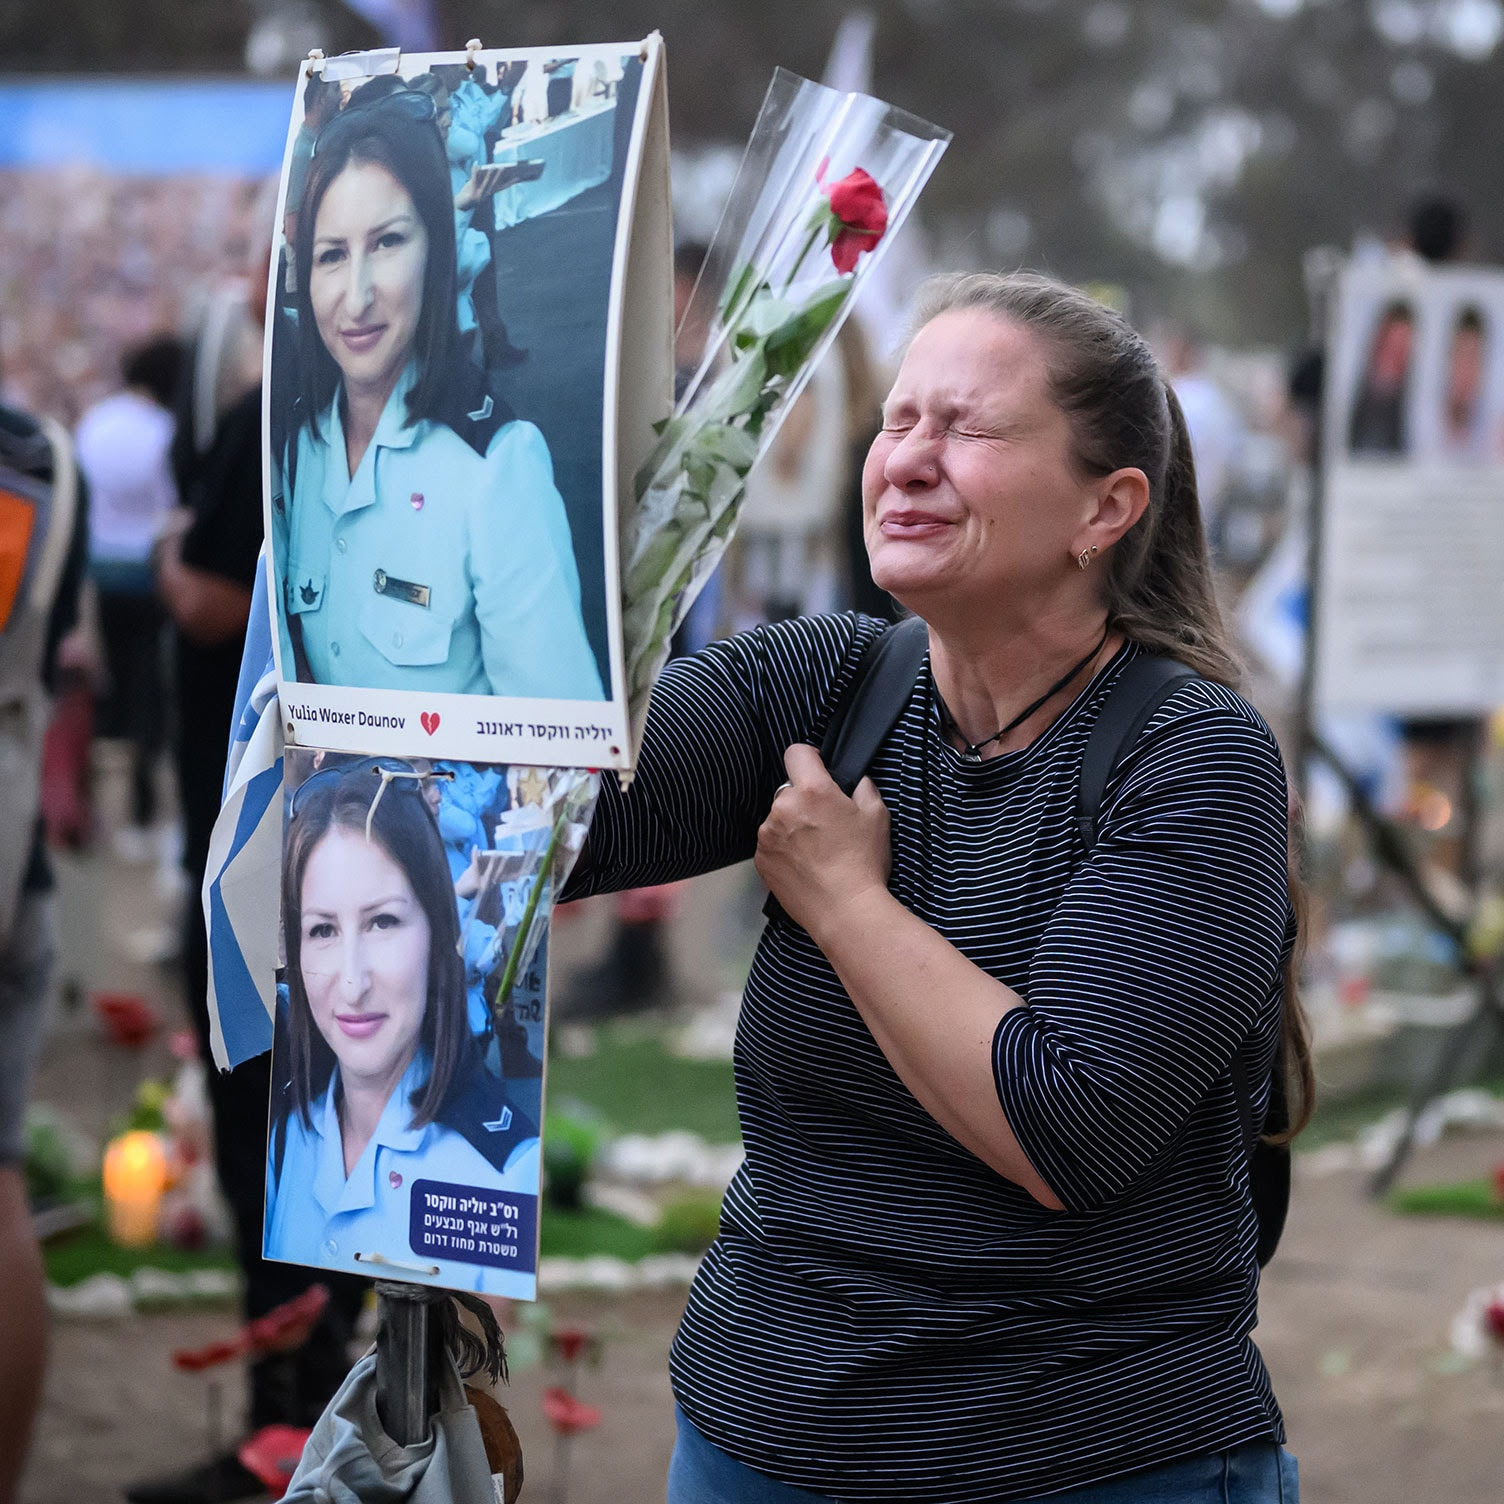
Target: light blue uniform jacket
(432,567)
(316,1214)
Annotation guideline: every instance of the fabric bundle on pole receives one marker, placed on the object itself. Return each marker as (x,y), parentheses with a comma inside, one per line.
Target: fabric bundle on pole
(349,1456)
(241,893)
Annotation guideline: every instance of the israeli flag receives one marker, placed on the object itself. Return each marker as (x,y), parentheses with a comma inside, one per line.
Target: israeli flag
(241,885)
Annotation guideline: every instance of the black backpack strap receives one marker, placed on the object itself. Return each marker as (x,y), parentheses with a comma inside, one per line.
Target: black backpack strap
(1143,686)
(869,708)
(873,701)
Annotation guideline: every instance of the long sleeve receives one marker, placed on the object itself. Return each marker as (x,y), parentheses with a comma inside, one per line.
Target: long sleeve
(1156,965)
(712,752)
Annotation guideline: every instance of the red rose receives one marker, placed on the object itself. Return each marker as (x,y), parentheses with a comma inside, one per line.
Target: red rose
(570,1341)
(287,1326)
(1493,1319)
(859,216)
(568,1415)
(196,1359)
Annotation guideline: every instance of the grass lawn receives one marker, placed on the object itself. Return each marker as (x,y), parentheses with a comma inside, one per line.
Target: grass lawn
(635,1085)
(1465,1198)
(1340,1118)
(587,1232)
(73,1257)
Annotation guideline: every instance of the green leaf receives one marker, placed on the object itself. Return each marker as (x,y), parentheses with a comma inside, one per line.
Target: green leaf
(790,346)
(737,290)
(737,387)
(726,443)
(766,314)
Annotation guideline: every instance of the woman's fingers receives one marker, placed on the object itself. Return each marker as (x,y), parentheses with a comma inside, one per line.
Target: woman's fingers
(805,767)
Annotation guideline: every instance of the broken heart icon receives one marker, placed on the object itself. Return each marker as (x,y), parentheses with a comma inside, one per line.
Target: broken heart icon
(430,721)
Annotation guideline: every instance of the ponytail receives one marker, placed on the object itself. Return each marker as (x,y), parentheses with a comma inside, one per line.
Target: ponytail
(1159,577)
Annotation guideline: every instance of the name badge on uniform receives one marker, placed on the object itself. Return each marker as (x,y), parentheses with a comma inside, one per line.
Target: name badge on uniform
(400,590)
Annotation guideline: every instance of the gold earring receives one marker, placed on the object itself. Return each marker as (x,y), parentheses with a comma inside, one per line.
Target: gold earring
(1084,557)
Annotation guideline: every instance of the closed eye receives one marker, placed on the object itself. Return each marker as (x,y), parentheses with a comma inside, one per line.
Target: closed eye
(331,255)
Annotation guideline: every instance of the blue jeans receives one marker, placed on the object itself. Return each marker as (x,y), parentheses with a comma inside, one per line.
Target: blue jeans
(1259,1472)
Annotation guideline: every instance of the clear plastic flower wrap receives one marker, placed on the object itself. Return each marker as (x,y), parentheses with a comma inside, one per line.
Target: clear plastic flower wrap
(535,848)
(826,180)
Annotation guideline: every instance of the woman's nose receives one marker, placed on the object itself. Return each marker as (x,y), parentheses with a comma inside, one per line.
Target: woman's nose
(353,972)
(913,463)
(358,285)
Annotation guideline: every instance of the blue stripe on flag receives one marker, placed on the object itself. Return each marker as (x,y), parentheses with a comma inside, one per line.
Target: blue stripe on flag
(243,1019)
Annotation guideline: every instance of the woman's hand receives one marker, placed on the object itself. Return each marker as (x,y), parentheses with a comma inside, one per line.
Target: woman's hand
(819,851)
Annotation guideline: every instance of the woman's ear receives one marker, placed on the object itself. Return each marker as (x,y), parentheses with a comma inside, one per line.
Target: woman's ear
(1121,499)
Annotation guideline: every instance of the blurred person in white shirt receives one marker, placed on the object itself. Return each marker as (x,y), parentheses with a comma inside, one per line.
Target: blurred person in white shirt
(124,447)
(1216,427)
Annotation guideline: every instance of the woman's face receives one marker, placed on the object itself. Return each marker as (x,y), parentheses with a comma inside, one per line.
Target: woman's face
(370,252)
(1391,352)
(969,492)
(1465,374)
(365,949)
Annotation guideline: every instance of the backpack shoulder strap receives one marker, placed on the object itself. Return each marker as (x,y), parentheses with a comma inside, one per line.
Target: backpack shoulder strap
(873,701)
(1142,687)
(868,709)
(54,556)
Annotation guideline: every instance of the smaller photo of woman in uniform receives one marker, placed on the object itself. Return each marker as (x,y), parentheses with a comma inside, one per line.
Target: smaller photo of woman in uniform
(437,518)
(405,1097)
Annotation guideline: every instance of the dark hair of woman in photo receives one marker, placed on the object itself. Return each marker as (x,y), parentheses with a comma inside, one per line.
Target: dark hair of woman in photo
(994,1236)
(397,130)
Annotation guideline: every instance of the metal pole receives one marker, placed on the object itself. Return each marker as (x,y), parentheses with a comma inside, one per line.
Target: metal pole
(407,1375)
(1305,702)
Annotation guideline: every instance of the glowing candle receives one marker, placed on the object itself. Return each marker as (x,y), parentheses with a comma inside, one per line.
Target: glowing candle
(135,1175)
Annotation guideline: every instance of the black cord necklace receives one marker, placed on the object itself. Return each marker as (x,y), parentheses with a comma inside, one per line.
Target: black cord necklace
(972,751)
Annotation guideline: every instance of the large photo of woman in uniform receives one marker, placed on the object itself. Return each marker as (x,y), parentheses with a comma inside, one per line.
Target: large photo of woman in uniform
(437,521)
(393,1073)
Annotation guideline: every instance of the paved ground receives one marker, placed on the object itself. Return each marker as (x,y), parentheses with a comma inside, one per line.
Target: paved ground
(1355,1316)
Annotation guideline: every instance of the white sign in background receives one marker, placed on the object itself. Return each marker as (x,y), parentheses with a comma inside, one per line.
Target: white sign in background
(1411,588)
(1412,597)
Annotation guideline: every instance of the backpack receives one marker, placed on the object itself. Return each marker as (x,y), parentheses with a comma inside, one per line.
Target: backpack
(870,707)
(38,499)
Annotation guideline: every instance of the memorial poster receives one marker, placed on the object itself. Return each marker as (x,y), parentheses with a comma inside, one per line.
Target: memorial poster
(451,405)
(409,1039)
(1411,614)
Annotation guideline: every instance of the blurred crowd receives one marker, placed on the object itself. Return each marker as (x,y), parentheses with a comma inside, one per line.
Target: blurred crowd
(93,263)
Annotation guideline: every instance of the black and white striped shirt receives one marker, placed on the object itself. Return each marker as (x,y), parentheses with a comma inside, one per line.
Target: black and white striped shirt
(883,1317)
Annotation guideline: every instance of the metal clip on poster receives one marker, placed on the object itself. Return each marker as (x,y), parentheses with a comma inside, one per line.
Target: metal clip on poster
(352,65)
